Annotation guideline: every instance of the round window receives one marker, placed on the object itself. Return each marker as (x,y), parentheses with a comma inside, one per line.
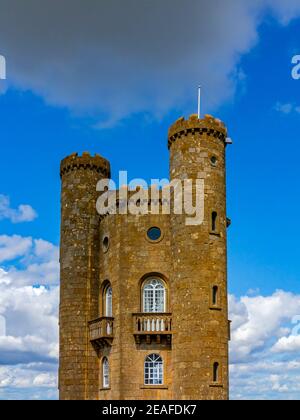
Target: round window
(154,234)
(105,243)
(213,160)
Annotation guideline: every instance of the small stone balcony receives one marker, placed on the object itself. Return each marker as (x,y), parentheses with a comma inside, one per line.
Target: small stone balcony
(152,328)
(101,331)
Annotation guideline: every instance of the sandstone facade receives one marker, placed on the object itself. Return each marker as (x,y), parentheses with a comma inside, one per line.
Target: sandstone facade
(107,331)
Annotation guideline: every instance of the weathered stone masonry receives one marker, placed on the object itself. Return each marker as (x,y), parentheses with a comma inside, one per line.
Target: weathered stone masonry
(114,253)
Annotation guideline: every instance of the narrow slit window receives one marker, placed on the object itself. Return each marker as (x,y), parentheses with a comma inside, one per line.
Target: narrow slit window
(215,295)
(216,372)
(105,373)
(214,219)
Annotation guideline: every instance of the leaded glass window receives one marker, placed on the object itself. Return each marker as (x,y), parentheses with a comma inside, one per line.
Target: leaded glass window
(154,296)
(154,370)
(108,301)
(105,372)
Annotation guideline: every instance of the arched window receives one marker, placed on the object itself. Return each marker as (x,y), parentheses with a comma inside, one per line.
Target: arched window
(214,217)
(105,373)
(108,301)
(216,372)
(215,295)
(153,370)
(154,296)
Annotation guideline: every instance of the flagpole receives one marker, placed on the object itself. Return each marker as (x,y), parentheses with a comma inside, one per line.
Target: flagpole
(199,102)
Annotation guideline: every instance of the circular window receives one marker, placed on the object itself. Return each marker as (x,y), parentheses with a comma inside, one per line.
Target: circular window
(105,244)
(154,234)
(213,160)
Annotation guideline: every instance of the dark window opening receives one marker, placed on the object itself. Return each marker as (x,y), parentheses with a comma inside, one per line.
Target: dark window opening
(213,160)
(216,372)
(105,244)
(215,295)
(214,218)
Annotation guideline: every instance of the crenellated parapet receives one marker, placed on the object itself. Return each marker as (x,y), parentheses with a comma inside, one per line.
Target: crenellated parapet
(148,201)
(208,125)
(86,161)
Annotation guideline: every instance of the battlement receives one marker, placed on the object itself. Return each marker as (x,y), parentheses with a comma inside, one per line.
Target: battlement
(86,161)
(125,197)
(208,125)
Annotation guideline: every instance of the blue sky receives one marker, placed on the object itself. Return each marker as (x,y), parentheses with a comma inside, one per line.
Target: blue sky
(40,126)
(262,164)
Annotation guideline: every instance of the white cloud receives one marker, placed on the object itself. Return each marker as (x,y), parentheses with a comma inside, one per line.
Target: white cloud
(287,108)
(290,344)
(32,381)
(12,247)
(267,380)
(253,292)
(256,320)
(284,10)
(284,108)
(38,262)
(111,59)
(265,362)
(35,346)
(29,315)
(26,291)
(24,212)
(45,379)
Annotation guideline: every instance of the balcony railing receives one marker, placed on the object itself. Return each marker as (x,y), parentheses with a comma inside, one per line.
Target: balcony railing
(151,326)
(101,331)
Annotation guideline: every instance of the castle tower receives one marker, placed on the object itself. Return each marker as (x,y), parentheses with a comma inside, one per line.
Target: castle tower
(199,277)
(143,305)
(79,258)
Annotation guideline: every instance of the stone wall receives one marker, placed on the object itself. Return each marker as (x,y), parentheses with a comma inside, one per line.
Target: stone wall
(114,249)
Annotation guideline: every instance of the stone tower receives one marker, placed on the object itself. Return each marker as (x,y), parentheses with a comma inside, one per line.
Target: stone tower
(199,277)
(143,305)
(79,264)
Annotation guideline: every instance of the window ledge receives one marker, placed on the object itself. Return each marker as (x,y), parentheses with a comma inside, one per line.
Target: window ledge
(215,234)
(216,385)
(105,389)
(215,308)
(154,387)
